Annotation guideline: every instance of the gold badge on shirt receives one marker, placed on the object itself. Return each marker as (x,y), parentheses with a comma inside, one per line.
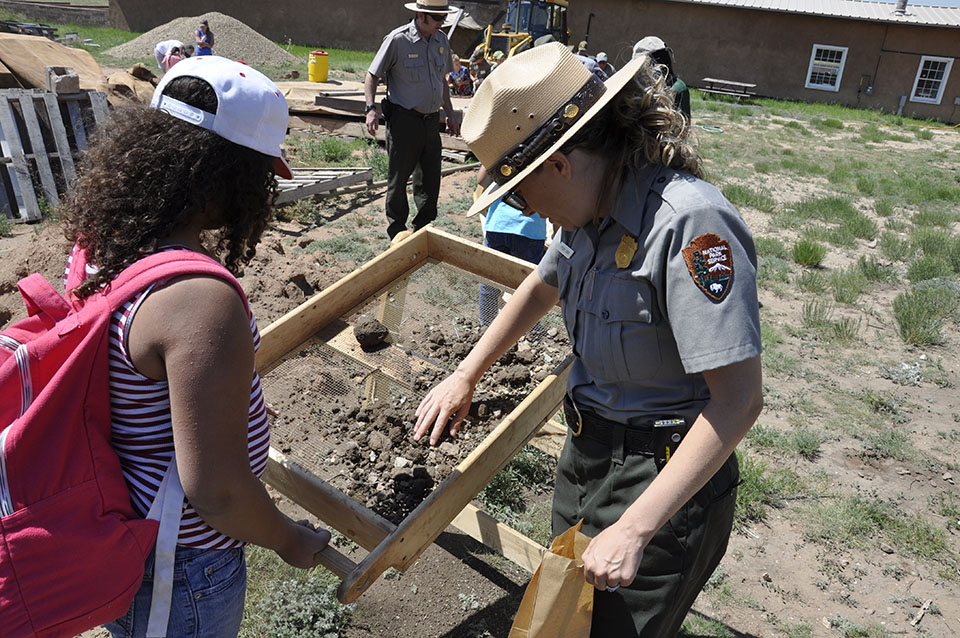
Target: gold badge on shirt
(625,251)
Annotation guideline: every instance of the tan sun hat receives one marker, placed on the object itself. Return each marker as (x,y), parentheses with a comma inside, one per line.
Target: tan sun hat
(529,107)
(431,6)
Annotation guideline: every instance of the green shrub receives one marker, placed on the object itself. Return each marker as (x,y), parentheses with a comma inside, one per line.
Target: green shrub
(883,207)
(942,218)
(895,248)
(746,196)
(765,166)
(796,126)
(302,609)
(812,281)
(808,253)
(873,270)
(924,134)
(816,314)
(919,315)
(866,185)
(847,285)
(929,267)
(771,269)
(4,225)
(770,247)
(872,133)
(933,242)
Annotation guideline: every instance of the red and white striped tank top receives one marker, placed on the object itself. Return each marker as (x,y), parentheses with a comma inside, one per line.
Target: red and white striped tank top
(142,432)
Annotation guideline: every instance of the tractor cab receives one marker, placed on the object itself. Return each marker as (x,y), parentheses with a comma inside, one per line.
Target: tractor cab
(525,22)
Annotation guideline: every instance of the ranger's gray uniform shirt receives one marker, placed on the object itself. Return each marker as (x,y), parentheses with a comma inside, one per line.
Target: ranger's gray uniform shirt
(643,334)
(414,68)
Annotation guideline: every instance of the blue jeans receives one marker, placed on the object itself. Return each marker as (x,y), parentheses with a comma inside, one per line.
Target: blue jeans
(531,250)
(209,587)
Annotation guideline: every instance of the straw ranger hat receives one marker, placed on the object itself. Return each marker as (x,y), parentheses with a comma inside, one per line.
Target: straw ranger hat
(529,107)
(431,6)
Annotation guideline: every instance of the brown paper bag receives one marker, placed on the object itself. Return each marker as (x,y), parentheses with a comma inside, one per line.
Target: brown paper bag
(558,602)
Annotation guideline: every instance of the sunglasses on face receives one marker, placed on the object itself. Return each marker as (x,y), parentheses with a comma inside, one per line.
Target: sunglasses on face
(515,199)
(437,17)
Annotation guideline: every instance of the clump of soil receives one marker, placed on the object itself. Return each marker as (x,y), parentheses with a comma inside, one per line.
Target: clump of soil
(370,333)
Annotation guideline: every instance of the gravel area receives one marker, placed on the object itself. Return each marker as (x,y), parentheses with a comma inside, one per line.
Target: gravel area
(232,39)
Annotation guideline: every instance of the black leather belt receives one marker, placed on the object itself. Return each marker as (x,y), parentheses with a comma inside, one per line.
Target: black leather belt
(424,116)
(586,424)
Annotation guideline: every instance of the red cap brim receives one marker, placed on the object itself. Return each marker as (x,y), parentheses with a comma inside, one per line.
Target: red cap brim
(281,168)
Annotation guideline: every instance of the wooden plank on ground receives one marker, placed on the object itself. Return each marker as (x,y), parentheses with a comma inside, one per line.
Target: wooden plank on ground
(324,501)
(513,545)
(60,137)
(14,150)
(32,124)
(101,110)
(316,186)
(76,124)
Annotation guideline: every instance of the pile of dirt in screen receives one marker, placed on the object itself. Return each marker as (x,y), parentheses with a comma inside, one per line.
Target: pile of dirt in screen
(232,39)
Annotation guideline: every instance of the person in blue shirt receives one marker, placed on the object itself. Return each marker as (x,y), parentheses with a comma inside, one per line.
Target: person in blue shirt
(508,230)
(204,38)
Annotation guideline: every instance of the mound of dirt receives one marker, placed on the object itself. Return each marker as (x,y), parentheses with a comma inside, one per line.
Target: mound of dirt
(232,39)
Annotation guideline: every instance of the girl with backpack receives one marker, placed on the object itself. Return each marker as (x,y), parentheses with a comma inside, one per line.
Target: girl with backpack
(193,173)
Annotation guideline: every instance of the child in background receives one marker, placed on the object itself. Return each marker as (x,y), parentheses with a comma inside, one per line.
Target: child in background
(508,230)
(171,58)
(459,79)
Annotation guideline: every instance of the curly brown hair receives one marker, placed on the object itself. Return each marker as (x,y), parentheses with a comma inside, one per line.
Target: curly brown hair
(148,174)
(639,127)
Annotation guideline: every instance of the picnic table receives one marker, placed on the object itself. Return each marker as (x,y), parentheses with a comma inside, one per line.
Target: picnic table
(728,87)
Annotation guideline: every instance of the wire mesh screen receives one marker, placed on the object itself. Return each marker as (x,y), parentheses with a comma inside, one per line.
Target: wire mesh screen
(434,316)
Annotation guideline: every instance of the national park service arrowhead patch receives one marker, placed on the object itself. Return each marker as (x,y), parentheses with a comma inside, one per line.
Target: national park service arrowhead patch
(710,262)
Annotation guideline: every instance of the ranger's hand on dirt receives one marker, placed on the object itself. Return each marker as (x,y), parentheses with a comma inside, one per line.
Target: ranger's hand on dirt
(446,404)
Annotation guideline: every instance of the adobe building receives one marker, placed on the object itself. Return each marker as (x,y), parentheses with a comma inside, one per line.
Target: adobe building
(865,54)
(895,58)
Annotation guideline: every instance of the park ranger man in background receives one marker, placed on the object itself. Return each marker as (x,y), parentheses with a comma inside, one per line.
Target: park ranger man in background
(413,60)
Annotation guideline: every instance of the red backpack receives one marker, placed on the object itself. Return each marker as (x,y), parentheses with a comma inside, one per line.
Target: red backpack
(72,550)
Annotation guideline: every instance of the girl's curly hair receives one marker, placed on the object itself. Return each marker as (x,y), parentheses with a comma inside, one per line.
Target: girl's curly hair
(639,127)
(147,174)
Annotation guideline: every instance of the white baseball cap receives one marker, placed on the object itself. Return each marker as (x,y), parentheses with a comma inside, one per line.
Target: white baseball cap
(648,44)
(601,57)
(251,110)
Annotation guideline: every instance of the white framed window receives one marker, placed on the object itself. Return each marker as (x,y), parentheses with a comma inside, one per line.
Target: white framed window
(931,79)
(826,67)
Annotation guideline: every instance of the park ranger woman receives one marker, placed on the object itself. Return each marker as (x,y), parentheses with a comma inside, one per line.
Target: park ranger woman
(656,276)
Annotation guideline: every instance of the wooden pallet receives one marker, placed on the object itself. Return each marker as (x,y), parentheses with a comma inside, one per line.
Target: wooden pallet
(42,136)
(307,182)
(399,546)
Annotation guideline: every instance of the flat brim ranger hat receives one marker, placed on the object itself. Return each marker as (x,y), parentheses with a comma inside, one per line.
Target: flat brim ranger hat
(251,110)
(529,107)
(431,6)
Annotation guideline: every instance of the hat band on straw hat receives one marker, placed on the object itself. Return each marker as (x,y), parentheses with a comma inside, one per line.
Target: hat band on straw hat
(566,116)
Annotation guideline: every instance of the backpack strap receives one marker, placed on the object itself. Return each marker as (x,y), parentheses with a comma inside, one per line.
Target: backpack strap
(152,269)
(167,509)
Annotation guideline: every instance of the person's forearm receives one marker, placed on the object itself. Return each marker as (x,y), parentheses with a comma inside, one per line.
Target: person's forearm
(370,88)
(527,305)
(243,510)
(710,441)
(447,104)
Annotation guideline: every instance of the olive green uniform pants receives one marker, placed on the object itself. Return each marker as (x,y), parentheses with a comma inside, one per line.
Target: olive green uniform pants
(593,485)
(413,148)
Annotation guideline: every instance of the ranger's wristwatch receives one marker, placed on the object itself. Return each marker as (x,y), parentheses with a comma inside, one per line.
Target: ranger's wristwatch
(369,107)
